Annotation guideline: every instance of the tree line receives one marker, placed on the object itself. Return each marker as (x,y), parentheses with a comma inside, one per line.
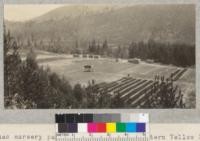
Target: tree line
(96,48)
(177,54)
(105,50)
(166,53)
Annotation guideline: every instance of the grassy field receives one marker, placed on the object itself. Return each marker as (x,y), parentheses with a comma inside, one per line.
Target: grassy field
(104,70)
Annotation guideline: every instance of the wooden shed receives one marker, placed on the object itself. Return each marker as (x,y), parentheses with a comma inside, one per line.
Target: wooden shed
(87,68)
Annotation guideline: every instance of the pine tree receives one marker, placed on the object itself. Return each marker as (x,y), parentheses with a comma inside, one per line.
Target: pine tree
(165,95)
(78,92)
(12,63)
(117,102)
(105,47)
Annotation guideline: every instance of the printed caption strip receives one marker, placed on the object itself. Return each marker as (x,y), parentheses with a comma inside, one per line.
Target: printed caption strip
(106,127)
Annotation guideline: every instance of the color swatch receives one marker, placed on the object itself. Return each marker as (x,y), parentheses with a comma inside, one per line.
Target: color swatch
(111,127)
(97,123)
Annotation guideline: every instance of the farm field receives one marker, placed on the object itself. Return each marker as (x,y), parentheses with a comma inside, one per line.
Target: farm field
(130,80)
(104,69)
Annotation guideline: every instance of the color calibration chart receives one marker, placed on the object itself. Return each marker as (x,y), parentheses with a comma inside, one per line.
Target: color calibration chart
(102,127)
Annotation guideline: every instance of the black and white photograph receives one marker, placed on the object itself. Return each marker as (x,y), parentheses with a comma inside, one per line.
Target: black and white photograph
(99,56)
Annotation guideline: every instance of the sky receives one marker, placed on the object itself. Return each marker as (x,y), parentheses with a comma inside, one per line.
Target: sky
(26,12)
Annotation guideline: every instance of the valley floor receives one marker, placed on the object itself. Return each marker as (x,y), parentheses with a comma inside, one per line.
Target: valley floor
(109,70)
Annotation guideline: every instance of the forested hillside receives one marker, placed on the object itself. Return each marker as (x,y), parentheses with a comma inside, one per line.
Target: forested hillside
(119,26)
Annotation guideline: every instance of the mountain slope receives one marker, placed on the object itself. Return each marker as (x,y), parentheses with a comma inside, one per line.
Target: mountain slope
(121,25)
